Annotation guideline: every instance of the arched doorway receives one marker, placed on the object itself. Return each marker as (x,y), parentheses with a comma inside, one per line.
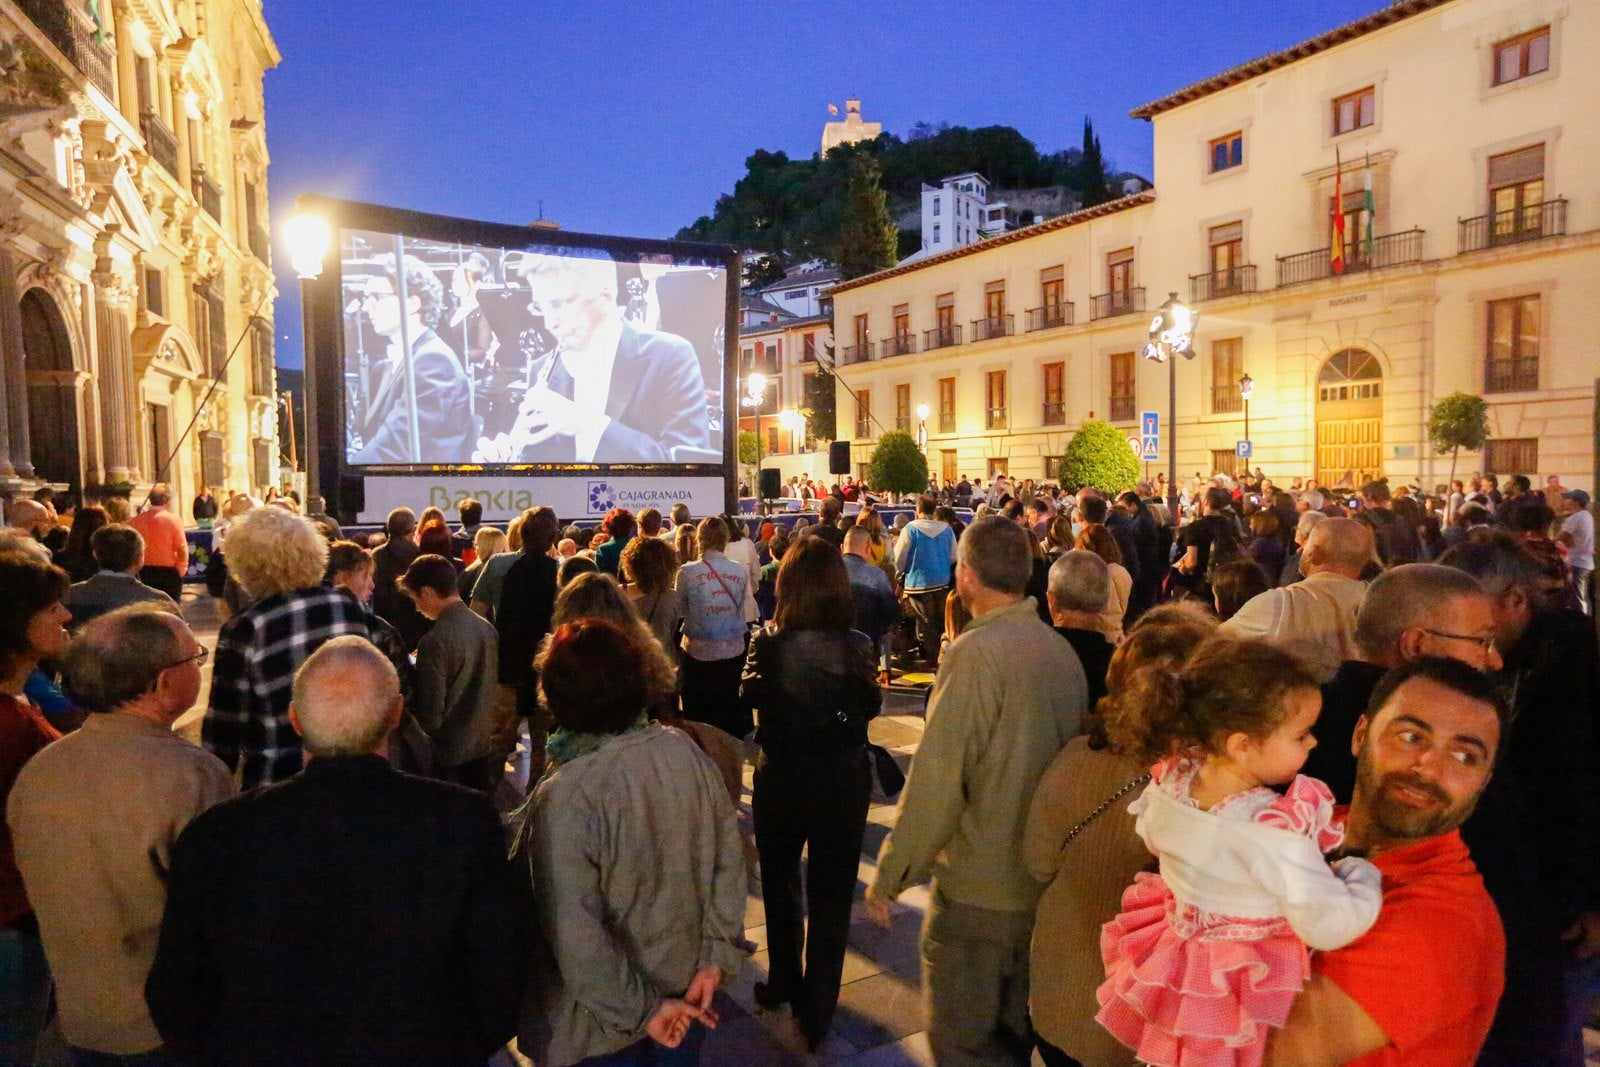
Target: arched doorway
(1349,419)
(52,390)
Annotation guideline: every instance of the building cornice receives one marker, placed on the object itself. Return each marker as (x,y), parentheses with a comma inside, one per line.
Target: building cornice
(1398,11)
(1060,222)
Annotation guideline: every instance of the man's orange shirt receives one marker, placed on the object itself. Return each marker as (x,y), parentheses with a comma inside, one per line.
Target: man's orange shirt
(164,545)
(1432,968)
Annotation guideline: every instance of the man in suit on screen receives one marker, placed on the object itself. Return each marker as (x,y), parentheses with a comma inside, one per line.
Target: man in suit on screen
(444,399)
(611,391)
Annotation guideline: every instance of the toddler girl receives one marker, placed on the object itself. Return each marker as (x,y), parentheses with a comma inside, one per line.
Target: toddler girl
(1207,956)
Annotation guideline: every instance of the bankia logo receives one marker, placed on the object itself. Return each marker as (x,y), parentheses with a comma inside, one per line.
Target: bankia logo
(601,498)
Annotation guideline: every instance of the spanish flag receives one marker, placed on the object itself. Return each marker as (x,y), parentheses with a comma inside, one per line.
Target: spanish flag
(1336,251)
(833,109)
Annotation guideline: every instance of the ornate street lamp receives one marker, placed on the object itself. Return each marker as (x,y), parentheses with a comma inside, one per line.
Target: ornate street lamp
(755,393)
(1172,333)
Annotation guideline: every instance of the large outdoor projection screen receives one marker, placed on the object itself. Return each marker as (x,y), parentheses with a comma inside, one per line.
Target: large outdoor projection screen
(467,347)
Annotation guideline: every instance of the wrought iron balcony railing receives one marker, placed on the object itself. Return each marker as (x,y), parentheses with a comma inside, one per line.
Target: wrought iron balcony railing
(261,245)
(947,422)
(1051,315)
(1240,279)
(161,142)
(995,418)
(855,353)
(899,345)
(1226,399)
(71,29)
(1055,414)
(1527,223)
(208,192)
(940,337)
(988,329)
(1390,250)
(1122,408)
(1120,302)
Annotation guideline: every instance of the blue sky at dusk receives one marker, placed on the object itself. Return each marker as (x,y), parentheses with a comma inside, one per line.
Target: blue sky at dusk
(631,118)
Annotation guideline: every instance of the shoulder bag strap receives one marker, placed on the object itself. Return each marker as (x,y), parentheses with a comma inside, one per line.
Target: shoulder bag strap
(1104,804)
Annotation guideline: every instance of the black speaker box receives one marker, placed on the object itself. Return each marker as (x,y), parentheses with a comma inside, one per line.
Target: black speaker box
(839,457)
(771,483)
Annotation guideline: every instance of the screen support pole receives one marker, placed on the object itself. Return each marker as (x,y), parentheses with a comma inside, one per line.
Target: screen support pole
(403,295)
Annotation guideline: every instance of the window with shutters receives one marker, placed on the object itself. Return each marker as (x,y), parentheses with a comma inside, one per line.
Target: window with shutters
(995,399)
(210,326)
(1520,56)
(1123,402)
(1516,191)
(947,466)
(1355,111)
(211,461)
(261,454)
(261,362)
(1511,455)
(1227,367)
(1119,270)
(1227,254)
(902,321)
(947,405)
(155,291)
(1512,361)
(863,414)
(158,456)
(902,408)
(1055,394)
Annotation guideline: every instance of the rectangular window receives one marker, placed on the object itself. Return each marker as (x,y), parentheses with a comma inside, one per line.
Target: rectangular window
(1119,270)
(1055,394)
(861,334)
(937,204)
(211,462)
(261,454)
(1122,387)
(1512,361)
(863,415)
(902,321)
(1227,254)
(1227,367)
(1511,455)
(772,440)
(1052,287)
(902,408)
(160,440)
(944,310)
(261,362)
(936,233)
(1052,467)
(1354,210)
(995,393)
(1224,461)
(947,466)
(994,301)
(1521,56)
(1354,111)
(1516,192)
(808,348)
(155,291)
(142,80)
(1227,152)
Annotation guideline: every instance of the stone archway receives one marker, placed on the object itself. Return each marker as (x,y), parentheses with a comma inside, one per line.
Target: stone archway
(1349,413)
(53,379)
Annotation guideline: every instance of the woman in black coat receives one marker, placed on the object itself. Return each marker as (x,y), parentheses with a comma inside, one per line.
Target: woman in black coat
(812,680)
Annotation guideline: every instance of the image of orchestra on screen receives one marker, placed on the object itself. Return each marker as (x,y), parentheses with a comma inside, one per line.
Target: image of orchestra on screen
(458,354)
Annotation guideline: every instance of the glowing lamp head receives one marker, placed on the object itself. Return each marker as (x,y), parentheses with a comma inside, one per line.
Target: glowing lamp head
(1172,330)
(922,412)
(791,420)
(756,383)
(1247,386)
(309,237)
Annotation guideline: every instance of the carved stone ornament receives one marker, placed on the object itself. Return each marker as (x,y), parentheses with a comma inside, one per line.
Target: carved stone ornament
(29,81)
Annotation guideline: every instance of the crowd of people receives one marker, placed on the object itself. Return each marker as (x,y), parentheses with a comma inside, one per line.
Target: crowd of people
(1301,778)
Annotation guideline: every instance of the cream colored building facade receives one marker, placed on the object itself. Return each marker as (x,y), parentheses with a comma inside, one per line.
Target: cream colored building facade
(1482,273)
(134,248)
(789,353)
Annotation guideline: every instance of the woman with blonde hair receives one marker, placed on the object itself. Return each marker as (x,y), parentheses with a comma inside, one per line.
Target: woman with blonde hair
(487,543)
(1099,540)
(686,542)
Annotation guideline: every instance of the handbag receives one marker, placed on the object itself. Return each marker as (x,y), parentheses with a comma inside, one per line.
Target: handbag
(1104,805)
(891,779)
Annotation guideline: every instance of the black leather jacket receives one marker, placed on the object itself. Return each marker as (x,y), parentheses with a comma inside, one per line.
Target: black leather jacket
(814,690)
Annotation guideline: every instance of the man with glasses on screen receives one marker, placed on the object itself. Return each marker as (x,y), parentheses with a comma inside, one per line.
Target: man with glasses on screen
(612,391)
(445,426)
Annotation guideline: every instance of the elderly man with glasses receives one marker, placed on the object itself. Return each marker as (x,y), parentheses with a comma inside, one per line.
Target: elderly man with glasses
(611,391)
(94,817)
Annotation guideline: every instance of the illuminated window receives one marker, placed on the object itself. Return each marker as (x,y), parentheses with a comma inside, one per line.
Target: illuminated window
(1355,110)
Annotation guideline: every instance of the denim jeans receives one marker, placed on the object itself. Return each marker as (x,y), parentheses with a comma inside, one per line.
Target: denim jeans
(24,994)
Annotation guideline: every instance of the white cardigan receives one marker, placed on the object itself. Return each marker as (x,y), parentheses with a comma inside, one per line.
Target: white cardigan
(1247,870)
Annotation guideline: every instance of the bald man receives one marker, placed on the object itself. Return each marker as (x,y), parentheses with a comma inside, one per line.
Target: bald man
(1410,611)
(1316,618)
(350,913)
(30,521)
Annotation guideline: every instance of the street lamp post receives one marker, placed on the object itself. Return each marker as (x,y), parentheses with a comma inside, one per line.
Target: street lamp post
(1246,387)
(309,238)
(755,393)
(1172,333)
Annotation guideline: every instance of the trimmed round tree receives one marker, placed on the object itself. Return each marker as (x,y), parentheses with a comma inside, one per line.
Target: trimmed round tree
(1457,421)
(898,465)
(1098,455)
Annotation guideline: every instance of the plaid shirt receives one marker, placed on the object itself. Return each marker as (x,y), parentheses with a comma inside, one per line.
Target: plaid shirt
(258,652)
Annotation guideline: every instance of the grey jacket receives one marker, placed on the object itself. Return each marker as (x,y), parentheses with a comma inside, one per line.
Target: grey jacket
(453,688)
(992,729)
(107,591)
(639,881)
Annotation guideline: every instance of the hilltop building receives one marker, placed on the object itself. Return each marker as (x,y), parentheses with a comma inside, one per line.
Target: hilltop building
(849,131)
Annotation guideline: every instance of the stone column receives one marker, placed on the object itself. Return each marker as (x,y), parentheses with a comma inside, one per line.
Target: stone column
(114,340)
(16,453)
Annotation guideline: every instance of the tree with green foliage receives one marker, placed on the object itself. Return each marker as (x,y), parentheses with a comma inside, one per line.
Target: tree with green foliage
(868,238)
(1098,455)
(1091,178)
(1457,421)
(898,465)
(749,448)
(821,397)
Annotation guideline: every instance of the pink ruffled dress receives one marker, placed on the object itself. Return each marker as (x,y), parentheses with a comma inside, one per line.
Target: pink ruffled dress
(1208,956)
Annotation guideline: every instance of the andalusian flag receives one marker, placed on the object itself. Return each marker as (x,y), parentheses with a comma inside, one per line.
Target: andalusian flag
(833,109)
(1367,206)
(1336,251)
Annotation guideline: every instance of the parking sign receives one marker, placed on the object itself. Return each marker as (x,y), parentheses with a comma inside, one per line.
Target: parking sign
(1241,449)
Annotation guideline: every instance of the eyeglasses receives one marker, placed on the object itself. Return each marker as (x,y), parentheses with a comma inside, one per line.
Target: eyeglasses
(1485,643)
(198,659)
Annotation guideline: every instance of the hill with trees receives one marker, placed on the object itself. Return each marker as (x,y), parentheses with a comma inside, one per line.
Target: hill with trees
(794,210)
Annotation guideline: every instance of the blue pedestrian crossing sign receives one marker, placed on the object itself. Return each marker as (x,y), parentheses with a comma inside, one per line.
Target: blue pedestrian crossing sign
(1241,449)
(1149,436)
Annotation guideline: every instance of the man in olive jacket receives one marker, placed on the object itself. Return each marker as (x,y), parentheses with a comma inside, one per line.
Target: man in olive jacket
(991,732)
